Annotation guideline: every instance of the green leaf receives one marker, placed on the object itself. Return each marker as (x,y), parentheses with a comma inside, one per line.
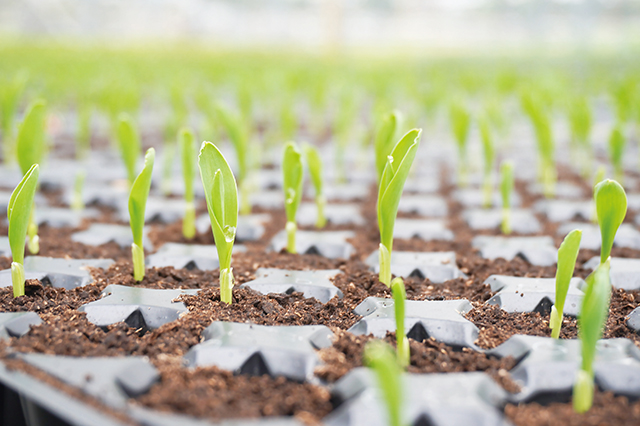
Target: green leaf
(237,133)
(567,255)
(129,144)
(138,197)
(487,145)
(30,141)
(611,208)
(581,120)
(19,211)
(314,162)
(380,357)
(292,173)
(460,123)
(392,183)
(616,148)
(384,139)
(221,193)
(402,342)
(506,183)
(188,159)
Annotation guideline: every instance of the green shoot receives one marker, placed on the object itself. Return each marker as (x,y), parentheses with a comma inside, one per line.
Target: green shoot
(314,163)
(489,158)
(461,123)
(617,143)
(77,203)
(221,193)
(611,208)
(506,188)
(137,205)
(567,255)
(535,108)
(18,213)
(598,177)
(31,146)
(384,139)
(10,94)
(581,121)
(402,342)
(188,154)
(392,182)
(292,173)
(380,357)
(129,144)
(593,315)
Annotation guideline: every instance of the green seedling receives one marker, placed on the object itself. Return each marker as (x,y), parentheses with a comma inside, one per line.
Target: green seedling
(10,94)
(567,255)
(30,147)
(611,208)
(392,183)
(18,213)
(617,143)
(137,205)
(535,109)
(77,203)
(593,315)
(221,194)
(129,144)
(460,124)
(292,174)
(314,163)
(188,154)
(506,189)
(380,357)
(402,342)
(601,172)
(489,158)
(581,121)
(384,139)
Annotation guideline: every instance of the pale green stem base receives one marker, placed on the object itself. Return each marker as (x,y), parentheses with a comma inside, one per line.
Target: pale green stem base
(137,254)
(167,169)
(189,221)
(226,285)
(506,221)
(291,228)
(583,392)
(487,191)
(77,204)
(555,322)
(245,203)
(32,232)
(17,279)
(385,265)
(549,181)
(320,203)
(404,352)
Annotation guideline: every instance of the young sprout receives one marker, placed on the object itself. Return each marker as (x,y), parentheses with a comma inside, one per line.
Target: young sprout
(18,213)
(506,188)
(77,203)
(611,208)
(221,193)
(314,163)
(188,172)
(292,183)
(10,94)
(591,320)
(402,342)
(129,144)
(489,158)
(31,146)
(384,139)
(535,108)
(616,151)
(567,255)
(598,177)
(379,356)
(137,205)
(391,185)
(461,123)
(581,120)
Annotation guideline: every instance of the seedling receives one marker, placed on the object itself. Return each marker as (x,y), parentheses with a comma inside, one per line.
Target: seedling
(10,94)
(617,143)
(30,146)
(567,255)
(292,174)
(129,144)
(611,208)
(77,203)
(489,158)
(598,177)
(389,191)
(314,163)
(461,123)
(137,205)
(506,188)
(402,342)
(384,139)
(591,320)
(380,357)
(188,173)
(581,120)
(535,108)
(18,213)
(221,194)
